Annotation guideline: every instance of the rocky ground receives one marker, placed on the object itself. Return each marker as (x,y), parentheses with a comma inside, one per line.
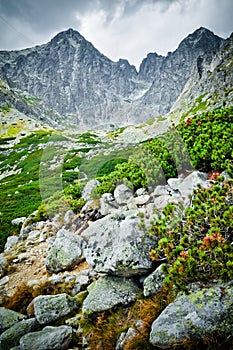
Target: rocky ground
(62,271)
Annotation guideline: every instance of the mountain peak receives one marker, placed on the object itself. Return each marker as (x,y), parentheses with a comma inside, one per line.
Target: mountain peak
(202,38)
(68,34)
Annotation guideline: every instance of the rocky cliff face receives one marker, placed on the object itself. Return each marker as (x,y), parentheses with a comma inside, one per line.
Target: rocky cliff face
(177,67)
(211,78)
(73,78)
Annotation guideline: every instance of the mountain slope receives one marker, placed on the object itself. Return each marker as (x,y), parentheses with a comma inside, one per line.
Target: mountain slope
(211,81)
(72,78)
(176,69)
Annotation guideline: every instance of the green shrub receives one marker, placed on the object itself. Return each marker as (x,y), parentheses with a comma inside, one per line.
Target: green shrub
(208,138)
(197,243)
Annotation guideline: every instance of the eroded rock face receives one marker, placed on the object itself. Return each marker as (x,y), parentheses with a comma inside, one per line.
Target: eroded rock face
(116,245)
(190,317)
(65,253)
(56,338)
(108,292)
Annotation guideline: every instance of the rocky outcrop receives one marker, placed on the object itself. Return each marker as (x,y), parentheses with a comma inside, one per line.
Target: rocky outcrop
(204,312)
(176,69)
(210,73)
(117,246)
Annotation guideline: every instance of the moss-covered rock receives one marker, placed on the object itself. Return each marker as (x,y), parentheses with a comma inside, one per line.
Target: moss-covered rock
(204,312)
(107,292)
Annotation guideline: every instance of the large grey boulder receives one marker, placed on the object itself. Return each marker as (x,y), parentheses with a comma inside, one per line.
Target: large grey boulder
(49,308)
(107,292)
(116,245)
(8,318)
(122,194)
(49,338)
(11,336)
(65,253)
(190,182)
(203,312)
(88,188)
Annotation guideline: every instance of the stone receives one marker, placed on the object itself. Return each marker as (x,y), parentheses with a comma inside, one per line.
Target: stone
(3,264)
(152,284)
(80,283)
(49,338)
(11,241)
(18,221)
(11,336)
(129,335)
(69,217)
(124,337)
(49,308)
(190,317)
(4,280)
(174,183)
(65,253)
(108,205)
(116,245)
(8,318)
(140,192)
(191,181)
(142,200)
(107,292)
(160,190)
(122,194)
(88,188)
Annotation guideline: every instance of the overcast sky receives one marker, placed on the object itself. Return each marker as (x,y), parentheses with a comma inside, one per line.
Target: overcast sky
(118,28)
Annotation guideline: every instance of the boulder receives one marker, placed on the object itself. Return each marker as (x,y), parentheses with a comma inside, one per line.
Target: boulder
(11,336)
(18,221)
(107,292)
(204,312)
(140,192)
(142,200)
(123,194)
(152,284)
(65,253)
(8,318)
(190,182)
(88,188)
(69,217)
(116,245)
(49,308)
(11,241)
(108,204)
(49,338)
(160,190)
(174,183)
